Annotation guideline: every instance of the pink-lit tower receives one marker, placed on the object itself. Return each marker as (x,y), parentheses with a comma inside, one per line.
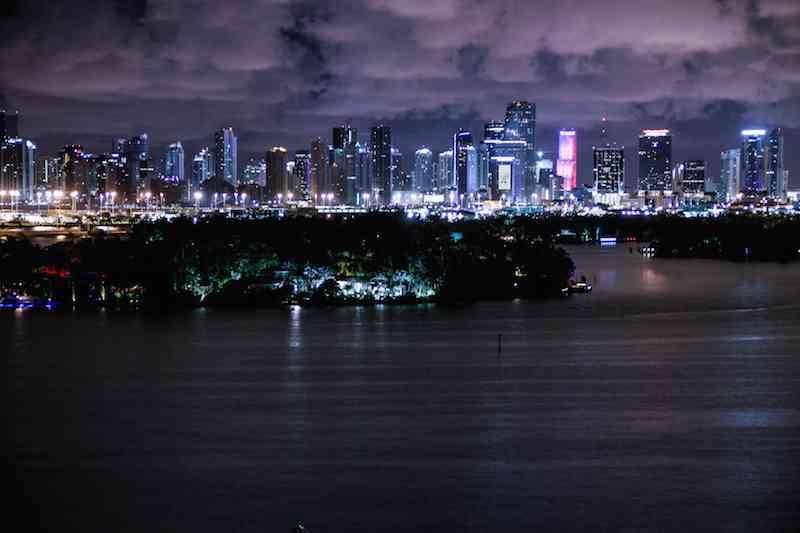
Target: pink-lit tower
(567,164)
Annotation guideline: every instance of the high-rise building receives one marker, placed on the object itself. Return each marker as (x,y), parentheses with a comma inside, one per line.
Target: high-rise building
(226,152)
(689,180)
(73,168)
(18,166)
(608,169)
(202,168)
(9,125)
(318,175)
(363,169)
(655,161)
(465,166)
(520,125)
(345,139)
(254,172)
(136,158)
(730,173)
(174,164)
(753,167)
(776,175)
(301,174)
(277,173)
(444,171)
(381,141)
(549,184)
(423,170)
(567,163)
(48,177)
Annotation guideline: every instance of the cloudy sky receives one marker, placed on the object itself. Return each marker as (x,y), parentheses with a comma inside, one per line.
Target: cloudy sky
(283,71)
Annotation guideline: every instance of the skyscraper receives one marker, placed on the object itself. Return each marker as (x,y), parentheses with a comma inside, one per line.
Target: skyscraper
(136,158)
(401,178)
(689,178)
(444,171)
(567,164)
(753,167)
(655,161)
(608,169)
(775,171)
(730,173)
(202,167)
(18,166)
(174,164)
(9,125)
(520,124)
(302,171)
(73,168)
(277,174)
(318,175)
(381,141)
(423,170)
(226,155)
(465,166)
(363,169)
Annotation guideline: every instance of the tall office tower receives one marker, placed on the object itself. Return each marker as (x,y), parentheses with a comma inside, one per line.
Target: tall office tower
(363,169)
(18,167)
(655,161)
(493,133)
(730,175)
(135,152)
(345,138)
(753,167)
(465,166)
(255,172)
(226,150)
(401,177)
(567,164)
(548,184)
(520,125)
(174,164)
(608,169)
(381,141)
(73,168)
(689,181)
(202,168)
(318,175)
(444,171)
(773,156)
(48,177)
(423,170)
(302,171)
(9,125)
(108,173)
(277,160)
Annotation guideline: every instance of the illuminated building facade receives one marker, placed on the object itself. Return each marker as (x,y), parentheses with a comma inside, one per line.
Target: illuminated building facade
(730,173)
(655,161)
(423,170)
(381,141)
(301,173)
(174,163)
(226,150)
(277,160)
(18,167)
(775,173)
(444,171)
(520,125)
(753,168)
(567,163)
(608,169)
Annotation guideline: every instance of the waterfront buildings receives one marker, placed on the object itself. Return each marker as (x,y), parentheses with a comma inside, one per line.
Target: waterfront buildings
(423,170)
(277,159)
(730,173)
(174,164)
(520,125)
(608,172)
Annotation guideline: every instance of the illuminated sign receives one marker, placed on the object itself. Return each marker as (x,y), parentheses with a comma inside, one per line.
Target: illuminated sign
(504,177)
(754,133)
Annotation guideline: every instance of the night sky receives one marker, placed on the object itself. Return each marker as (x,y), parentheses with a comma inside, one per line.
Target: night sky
(281,72)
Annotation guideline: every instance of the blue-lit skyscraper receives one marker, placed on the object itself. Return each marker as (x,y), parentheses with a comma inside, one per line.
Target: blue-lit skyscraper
(775,172)
(226,152)
(174,164)
(465,166)
(753,167)
(730,174)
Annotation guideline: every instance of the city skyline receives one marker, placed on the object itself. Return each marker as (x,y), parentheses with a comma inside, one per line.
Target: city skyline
(283,80)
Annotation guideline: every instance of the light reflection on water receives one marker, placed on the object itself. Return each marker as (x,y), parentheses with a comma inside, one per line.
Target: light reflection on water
(665,400)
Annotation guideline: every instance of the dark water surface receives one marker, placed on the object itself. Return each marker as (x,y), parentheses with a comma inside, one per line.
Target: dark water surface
(668,400)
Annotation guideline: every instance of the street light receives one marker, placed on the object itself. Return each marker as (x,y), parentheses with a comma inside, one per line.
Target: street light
(74,196)
(197,197)
(244,197)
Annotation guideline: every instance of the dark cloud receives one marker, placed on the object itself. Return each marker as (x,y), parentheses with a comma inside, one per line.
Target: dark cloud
(284,71)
